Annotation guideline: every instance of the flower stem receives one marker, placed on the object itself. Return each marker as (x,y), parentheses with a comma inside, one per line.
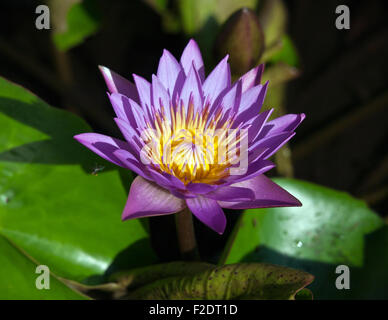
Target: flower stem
(186,236)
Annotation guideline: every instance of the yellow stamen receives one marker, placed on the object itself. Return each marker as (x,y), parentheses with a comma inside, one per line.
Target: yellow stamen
(191,146)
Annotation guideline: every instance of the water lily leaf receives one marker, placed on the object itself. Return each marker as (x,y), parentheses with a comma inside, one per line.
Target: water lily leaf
(140,276)
(128,280)
(54,204)
(18,278)
(238,281)
(330,229)
(82,20)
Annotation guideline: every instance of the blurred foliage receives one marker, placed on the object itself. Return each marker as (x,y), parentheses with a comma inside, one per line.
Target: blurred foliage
(330,229)
(196,14)
(50,193)
(273,18)
(287,53)
(208,19)
(74,21)
(242,38)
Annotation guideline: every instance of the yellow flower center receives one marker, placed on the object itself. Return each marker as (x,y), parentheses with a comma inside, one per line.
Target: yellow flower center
(190,147)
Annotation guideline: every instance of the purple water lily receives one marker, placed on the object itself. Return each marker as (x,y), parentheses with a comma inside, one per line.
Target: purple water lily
(194,141)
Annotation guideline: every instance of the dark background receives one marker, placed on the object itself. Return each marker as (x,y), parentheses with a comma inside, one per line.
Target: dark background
(342,88)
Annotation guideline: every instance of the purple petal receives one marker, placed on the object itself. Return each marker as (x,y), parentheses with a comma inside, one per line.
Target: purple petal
(251,102)
(147,199)
(131,163)
(160,97)
(252,78)
(260,166)
(130,134)
(250,98)
(182,194)
(191,54)
(231,194)
(209,212)
(200,188)
(128,110)
(144,91)
(118,84)
(217,81)
(104,146)
(116,99)
(286,123)
(167,180)
(256,154)
(192,89)
(168,71)
(258,124)
(273,143)
(267,194)
(232,98)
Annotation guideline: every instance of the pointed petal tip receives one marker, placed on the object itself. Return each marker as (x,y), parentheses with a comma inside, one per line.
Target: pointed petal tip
(103,69)
(225,58)
(297,203)
(79,137)
(167,53)
(221,232)
(192,44)
(209,212)
(124,217)
(108,77)
(192,41)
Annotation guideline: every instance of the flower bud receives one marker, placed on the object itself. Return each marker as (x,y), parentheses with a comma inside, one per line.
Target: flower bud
(242,38)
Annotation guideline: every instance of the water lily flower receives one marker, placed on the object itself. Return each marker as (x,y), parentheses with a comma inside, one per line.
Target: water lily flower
(194,141)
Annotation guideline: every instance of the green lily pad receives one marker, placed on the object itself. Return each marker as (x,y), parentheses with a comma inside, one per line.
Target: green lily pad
(18,278)
(54,204)
(330,229)
(203,281)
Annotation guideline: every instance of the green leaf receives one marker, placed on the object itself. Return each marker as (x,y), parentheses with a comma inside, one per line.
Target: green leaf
(238,281)
(304,294)
(140,276)
(51,205)
(330,229)
(17,278)
(159,6)
(82,20)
